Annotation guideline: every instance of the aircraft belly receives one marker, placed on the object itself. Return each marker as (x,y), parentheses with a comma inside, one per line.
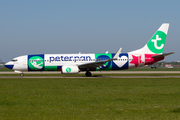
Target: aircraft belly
(20,67)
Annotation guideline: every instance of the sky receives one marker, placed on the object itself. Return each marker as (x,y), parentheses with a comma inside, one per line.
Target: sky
(86,26)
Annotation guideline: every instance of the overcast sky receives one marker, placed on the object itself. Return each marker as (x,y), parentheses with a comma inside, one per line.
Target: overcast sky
(86,26)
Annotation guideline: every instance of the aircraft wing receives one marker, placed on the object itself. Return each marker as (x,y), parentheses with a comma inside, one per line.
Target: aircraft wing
(92,65)
(162,55)
(99,63)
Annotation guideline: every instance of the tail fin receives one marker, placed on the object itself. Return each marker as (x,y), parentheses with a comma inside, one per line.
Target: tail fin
(156,44)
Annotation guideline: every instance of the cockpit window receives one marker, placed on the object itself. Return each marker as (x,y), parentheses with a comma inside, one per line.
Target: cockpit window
(14,60)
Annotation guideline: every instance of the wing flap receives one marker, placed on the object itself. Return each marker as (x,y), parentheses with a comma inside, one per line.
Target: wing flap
(92,65)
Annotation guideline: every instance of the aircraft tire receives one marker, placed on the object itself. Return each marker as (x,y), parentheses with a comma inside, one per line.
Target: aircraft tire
(21,74)
(88,74)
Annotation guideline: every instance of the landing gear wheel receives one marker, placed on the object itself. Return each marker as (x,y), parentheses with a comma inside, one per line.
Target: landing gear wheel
(21,74)
(88,74)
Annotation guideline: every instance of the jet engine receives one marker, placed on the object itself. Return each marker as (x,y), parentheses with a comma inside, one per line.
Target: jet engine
(68,69)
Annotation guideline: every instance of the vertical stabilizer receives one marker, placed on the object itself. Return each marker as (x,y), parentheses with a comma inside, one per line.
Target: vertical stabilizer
(157,42)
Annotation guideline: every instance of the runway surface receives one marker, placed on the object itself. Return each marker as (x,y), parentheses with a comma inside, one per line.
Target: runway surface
(96,74)
(90,77)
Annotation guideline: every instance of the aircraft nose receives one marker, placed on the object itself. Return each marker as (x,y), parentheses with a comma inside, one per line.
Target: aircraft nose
(8,65)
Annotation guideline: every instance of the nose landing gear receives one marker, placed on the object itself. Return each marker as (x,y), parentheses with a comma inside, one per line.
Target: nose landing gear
(22,74)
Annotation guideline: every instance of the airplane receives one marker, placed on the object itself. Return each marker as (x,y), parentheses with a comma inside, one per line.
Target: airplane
(74,63)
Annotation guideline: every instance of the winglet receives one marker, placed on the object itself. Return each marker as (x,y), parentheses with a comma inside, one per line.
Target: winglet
(117,54)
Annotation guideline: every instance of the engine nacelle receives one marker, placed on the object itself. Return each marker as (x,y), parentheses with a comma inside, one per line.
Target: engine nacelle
(68,69)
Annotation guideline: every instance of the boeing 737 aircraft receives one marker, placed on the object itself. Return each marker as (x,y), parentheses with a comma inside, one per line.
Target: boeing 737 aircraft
(75,63)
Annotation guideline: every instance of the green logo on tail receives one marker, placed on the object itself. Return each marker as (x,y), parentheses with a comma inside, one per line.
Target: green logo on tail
(156,43)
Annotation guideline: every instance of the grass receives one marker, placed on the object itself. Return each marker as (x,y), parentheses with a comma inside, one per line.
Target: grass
(5,69)
(100,98)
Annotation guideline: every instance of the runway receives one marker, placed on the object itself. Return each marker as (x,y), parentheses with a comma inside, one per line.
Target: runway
(98,74)
(90,77)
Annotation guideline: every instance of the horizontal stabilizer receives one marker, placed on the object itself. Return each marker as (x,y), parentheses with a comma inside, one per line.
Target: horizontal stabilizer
(162,55)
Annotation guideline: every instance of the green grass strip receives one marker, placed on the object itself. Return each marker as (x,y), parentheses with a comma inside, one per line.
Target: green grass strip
(90,99)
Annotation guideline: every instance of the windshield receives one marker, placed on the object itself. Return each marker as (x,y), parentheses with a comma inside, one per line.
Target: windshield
(14,60)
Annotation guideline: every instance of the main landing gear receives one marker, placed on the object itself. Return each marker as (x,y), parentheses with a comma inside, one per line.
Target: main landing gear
(22,74)
(88,74)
